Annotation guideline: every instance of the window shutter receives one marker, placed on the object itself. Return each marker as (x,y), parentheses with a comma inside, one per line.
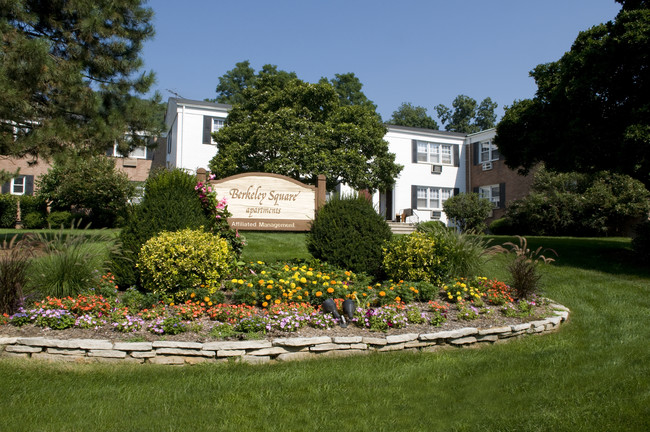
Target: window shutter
(414,196)
(456,191)
(456,156)
(475,190)
(6,187)
(109,151)
(207,129)
(502,195)
(414,151)
(475,150)
(29,185)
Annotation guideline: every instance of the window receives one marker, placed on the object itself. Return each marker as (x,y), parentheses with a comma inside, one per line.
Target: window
(217,124)
(432,197)
(136,153)
(211,124)
(428,152)
(492,192)
(18,186)
(487,152)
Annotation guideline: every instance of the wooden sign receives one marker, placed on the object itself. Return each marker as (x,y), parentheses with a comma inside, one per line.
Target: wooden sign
(269,202)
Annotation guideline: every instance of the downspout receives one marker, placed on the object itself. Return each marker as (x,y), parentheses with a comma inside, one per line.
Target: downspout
(180,144)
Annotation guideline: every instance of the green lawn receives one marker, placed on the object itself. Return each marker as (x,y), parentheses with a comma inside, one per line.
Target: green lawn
(593,375)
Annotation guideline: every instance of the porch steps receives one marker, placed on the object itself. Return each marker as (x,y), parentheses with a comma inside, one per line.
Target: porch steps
(401,227)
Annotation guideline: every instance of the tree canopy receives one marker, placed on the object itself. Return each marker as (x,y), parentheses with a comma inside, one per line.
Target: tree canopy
(242,76)
(69,76)
(348,87)
(413,116)
(302,130)
(467,116)
(591,109)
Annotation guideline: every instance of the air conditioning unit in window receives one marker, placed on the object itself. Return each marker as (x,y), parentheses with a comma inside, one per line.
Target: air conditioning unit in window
(436,169)
(487,166)
(436,215)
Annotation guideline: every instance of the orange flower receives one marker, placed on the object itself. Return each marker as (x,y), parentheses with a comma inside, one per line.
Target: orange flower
(397,299)
(382,293)
(265,304)
(330,290)
(318,293)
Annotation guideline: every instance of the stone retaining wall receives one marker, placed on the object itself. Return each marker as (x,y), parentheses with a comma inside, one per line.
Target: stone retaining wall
(263,351)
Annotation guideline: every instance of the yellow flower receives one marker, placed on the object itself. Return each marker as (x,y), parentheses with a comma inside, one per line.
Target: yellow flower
(299,297)
(265,304)
(240,282)
(303,280)
(206,299)
(277,301)
(268,297)
(209,303)
(458,298)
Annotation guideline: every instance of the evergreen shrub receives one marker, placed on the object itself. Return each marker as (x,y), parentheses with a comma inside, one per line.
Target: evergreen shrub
(33,220)
(502,226)
(181,260)
(32,204)
(347,232)
(8,210)
(169,204)
(58,219)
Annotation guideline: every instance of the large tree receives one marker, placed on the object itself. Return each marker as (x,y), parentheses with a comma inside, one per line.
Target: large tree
(302,130)
(348,86)
(241,77)
(69,76)
(412,116)
(467,116)
(591,111)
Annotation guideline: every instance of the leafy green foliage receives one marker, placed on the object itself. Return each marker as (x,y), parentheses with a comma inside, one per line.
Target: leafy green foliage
(170,203)
(590,110)
(32,204)
(14,264)
(69,78)
(412,116)
(89,185)
(33,220)
(302,130)
(348,87)
(73,262)
(8,210)
(468,211)
(466,116)
(579,204)
(186,259)
(464,251)
(347,232)
(417,257)
(233,83)
(58,219)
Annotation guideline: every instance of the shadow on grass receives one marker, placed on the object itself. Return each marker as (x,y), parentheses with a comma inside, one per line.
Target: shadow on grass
(611,255)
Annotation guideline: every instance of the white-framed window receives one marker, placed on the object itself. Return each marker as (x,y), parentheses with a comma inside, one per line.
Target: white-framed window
(18,185)
(488,152)
(217,123)
(136,153)
(491,192)
(435,153)
(432,197)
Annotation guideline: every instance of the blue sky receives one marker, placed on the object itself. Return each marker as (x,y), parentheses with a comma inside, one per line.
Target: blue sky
(417,51)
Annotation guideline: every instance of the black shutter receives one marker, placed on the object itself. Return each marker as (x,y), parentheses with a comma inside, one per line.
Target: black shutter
(475,151)
(475,190)
(6,187)
(109,151)
(456,156)
(207,129)
(414,151)
(456,191)
(414,196)
(502,195)
(29,185)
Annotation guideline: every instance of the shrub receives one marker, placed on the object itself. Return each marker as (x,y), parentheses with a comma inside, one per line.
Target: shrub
(33,204)
(468,211)
(347,232)
(14,262)
(74,263)
(502,226)
(464,249)
(57,219)
(175,261)
(33,220)
(8,210)
(641,241)
(169,203)
(524,275)
(418,256)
